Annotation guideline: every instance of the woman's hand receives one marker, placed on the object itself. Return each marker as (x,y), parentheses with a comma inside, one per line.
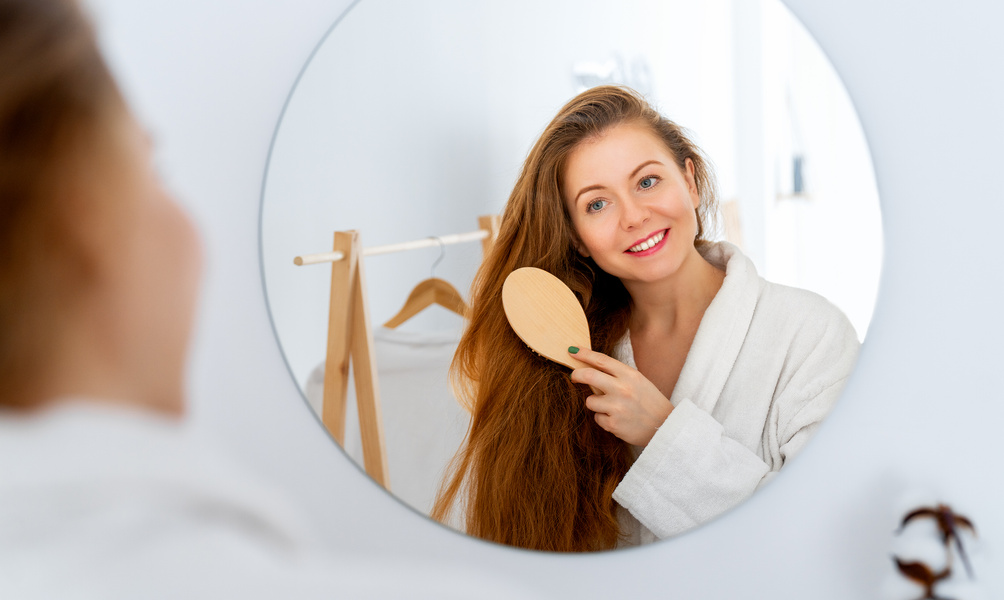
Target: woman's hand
(626,403)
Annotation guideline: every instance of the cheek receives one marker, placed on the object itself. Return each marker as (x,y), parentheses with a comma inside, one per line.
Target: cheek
(165,295)
(179,253)
(585,239)
(684,208)
(165,270)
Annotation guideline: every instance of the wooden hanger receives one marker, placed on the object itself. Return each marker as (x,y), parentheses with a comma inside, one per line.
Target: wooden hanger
(431,291)
(426,293)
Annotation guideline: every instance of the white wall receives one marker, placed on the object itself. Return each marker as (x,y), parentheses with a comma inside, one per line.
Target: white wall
(828,238)
(923,406)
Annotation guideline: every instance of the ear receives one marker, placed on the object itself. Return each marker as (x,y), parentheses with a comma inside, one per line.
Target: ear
(688,174)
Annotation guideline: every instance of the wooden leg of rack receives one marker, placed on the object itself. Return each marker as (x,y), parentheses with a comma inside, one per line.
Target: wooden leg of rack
(491,224)
(336,366)
(365,375)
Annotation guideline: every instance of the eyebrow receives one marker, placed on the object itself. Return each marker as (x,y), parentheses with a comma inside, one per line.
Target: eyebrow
(590,188)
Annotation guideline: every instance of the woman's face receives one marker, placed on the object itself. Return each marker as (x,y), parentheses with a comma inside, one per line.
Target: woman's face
(151,268)
(632,208)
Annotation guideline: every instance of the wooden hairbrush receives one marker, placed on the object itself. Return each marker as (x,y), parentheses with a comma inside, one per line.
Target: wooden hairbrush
(545,314)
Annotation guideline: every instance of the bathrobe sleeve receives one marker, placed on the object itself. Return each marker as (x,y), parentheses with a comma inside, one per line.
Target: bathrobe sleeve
(698,466)
(689,473)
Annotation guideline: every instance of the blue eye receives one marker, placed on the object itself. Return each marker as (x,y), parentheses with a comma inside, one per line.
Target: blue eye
(648,182)
(595,205)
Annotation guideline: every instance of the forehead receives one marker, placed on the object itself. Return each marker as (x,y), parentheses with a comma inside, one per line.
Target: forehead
(613,155)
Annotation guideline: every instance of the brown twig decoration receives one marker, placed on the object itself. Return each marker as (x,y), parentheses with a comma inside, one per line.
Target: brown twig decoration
(922,574)
(949,524)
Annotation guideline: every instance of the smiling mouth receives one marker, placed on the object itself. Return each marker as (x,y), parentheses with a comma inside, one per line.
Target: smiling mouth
(649,243)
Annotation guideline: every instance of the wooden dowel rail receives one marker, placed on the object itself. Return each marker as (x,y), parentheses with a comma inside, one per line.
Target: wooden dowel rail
(429,242)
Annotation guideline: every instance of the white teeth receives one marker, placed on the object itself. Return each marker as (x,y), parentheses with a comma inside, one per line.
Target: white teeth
(655,239)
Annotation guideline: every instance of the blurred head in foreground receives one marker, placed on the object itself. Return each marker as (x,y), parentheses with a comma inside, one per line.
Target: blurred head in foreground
(98,265)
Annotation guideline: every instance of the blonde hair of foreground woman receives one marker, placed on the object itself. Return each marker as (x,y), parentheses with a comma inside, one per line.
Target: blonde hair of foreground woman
(98,266)
(536,470)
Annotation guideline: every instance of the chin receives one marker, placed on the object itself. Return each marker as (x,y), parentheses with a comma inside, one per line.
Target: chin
(173,406)
(652,273)
(167,398)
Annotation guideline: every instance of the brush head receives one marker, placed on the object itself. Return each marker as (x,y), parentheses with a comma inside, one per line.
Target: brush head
(545,314)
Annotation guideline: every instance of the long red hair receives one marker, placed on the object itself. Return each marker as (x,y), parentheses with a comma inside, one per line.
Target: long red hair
(536,471)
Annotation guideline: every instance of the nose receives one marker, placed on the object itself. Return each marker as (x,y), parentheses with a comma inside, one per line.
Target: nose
(634,213)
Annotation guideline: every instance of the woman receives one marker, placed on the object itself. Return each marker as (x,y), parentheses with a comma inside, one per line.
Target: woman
(97,260)
(707,378)
(103,492)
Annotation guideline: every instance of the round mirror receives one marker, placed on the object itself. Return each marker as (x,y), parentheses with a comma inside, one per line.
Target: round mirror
(412,119)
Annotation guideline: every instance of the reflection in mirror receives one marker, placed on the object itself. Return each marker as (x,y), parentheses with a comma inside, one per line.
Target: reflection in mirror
(412,120)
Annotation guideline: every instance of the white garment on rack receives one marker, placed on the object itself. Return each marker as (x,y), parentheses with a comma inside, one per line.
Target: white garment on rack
(423,423)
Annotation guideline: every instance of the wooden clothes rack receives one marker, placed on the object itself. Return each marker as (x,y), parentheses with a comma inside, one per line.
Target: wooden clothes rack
(350,337)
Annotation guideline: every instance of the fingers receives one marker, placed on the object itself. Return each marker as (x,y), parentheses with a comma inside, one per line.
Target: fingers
(603,420)
(599,404)
(599,361)
(624,402)
(600,382)
(602,378)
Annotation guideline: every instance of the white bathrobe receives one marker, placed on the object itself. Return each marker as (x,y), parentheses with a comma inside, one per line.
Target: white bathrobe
(104,501)
(766,366)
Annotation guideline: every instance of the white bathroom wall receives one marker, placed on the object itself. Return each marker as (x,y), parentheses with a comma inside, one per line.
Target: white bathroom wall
(828,238)
(923,408)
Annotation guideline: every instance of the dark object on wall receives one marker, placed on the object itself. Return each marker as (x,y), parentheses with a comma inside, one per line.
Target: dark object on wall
(922,574)
(949,524)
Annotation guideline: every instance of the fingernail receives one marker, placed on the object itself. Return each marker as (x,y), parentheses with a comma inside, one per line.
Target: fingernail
(573,350)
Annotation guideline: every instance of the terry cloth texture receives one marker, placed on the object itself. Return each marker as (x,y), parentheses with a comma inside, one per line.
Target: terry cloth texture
(766,366)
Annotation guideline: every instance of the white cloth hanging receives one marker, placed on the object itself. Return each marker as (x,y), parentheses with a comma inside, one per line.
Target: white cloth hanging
(423,423)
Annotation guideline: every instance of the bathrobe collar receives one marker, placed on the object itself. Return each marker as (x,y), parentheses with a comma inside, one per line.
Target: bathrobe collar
(721,333)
